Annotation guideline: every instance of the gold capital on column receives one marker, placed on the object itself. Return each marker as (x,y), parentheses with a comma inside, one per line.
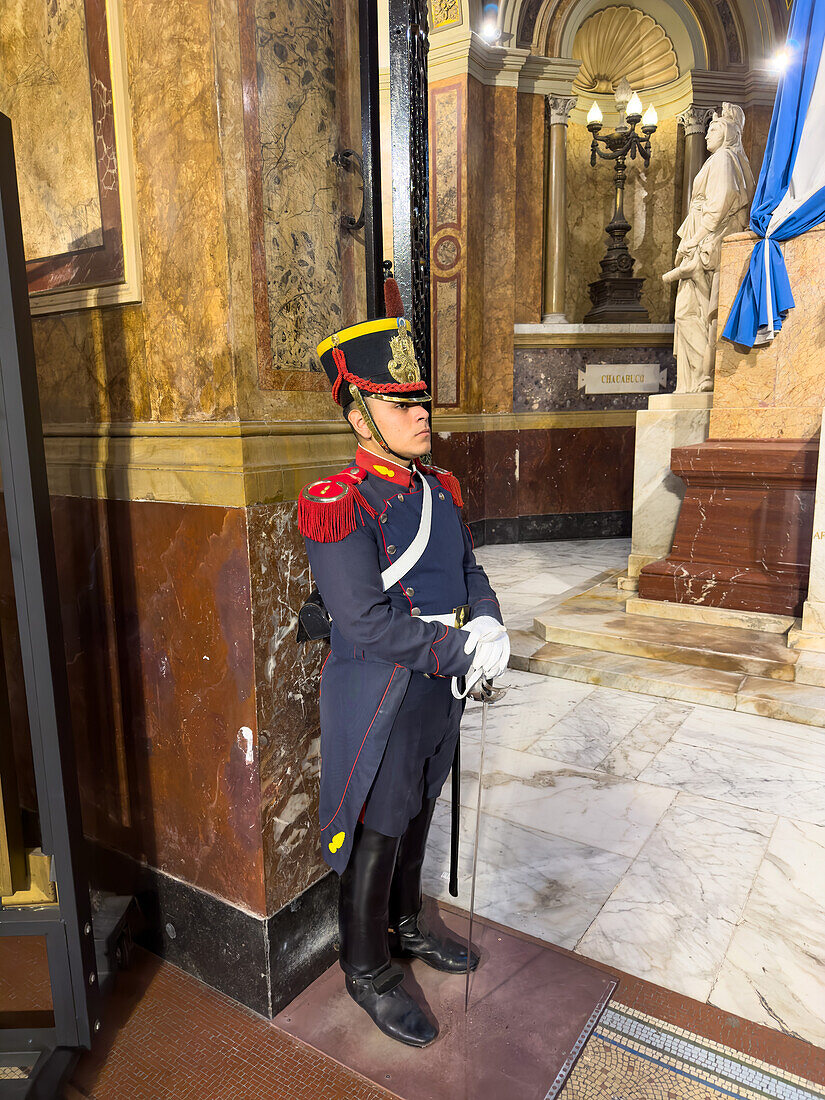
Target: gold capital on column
(556,112)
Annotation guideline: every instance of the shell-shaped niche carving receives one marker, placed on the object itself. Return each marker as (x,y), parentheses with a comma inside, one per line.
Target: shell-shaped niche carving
(622,41)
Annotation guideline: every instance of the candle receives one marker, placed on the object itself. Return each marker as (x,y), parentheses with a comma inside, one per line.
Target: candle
(650,117)
(634,107)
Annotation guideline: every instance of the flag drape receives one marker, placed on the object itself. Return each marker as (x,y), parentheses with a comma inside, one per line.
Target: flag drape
(790,192)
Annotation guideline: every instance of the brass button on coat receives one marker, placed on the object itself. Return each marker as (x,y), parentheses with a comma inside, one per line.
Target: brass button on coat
(410,591)
(416,611)
(400,496)
(440,496)
(382,519)
(390,549)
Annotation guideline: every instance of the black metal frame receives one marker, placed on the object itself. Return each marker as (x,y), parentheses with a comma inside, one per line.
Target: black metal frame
(371,157)
(409,45)
(67,926)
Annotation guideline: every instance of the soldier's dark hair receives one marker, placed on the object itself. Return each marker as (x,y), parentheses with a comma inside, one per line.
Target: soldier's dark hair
(347,409)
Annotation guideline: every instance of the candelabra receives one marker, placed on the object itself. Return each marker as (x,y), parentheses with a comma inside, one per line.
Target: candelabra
(616,296)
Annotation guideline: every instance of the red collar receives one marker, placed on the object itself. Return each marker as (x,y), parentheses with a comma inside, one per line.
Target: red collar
(383,467)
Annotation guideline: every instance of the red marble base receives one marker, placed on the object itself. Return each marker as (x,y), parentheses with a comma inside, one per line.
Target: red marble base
(743,539)
(531,1009)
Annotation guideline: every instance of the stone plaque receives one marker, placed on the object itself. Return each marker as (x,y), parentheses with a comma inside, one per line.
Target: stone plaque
(622,378)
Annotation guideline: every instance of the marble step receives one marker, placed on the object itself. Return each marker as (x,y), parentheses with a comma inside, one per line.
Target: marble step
(801,703)
(596,620)
(771,698)
(665,679)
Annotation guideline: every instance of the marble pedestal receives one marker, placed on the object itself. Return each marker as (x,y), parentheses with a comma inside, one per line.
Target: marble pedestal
(811,635)
(743,540)
(671,420)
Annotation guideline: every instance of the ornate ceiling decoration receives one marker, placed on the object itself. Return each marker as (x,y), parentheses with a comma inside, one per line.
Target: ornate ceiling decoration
(622,41)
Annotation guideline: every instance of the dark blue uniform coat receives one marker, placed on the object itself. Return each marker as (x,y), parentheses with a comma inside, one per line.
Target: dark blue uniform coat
(377,638)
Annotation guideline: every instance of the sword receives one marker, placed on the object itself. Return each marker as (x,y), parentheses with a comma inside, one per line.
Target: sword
(486,694)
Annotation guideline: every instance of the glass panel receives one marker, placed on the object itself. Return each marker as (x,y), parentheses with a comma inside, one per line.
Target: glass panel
(25,986)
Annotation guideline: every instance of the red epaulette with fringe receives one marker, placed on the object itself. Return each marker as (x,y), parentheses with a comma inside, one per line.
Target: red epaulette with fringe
(328,510)
(448,480)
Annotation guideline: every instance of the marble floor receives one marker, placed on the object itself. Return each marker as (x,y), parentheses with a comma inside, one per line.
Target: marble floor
(675,841)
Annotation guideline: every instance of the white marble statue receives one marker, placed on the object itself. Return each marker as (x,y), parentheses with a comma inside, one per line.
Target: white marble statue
(719,204)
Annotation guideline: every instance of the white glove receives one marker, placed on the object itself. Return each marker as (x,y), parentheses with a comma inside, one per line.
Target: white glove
(490,645)
(485,626)
(493,656)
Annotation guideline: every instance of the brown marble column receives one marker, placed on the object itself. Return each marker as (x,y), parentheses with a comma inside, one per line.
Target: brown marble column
(694,119)
(557,111)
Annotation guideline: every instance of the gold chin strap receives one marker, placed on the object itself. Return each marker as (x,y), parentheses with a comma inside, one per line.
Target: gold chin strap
(361,405)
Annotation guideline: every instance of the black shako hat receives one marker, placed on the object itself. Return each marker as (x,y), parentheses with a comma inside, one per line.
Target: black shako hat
(377,357)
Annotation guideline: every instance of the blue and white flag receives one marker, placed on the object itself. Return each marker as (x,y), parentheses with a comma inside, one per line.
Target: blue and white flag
(790,193)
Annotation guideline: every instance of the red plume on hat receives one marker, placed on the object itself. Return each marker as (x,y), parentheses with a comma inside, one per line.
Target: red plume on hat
(393,306)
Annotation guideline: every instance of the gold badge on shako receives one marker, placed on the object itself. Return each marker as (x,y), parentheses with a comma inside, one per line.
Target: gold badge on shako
(403,366)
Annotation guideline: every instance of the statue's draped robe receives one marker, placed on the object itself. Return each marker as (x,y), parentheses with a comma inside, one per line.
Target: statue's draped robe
(719,205)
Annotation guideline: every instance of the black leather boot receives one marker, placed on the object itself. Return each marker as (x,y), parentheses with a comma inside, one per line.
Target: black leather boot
(372,980)
(407,938)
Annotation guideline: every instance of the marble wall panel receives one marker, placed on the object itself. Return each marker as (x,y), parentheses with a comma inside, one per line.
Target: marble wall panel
(445,104)
(92,366)
(446,340)
(168,358)
(287,680)
(157,621)
(652,204)
(501,465)
(299,134)
(474,317)
(530,144)
(188,351)
(540,471)
(755,135)
(174,356)
(448,238)
(777,390)
(499,215)
(180,208)
(546,379)
(45,89)
(463,454)
(234,52)
(575,470)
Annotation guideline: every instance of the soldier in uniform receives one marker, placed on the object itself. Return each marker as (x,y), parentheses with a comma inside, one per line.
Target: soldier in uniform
(393,561)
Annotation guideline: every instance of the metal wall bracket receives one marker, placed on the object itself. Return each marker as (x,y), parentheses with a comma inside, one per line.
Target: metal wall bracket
(349,160)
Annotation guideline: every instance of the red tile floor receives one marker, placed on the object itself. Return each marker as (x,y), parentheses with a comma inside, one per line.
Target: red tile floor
(168,1036)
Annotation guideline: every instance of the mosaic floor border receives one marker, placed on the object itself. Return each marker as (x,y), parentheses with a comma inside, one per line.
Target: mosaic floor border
(712,1065)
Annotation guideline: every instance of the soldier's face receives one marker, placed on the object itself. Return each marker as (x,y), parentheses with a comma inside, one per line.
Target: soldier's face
(406,428)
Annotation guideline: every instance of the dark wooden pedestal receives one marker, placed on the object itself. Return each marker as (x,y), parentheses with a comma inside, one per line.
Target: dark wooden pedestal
(743,539)
(617,300)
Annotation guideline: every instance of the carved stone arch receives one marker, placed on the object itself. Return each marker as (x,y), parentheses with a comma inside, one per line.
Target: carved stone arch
(618,42)
(543,25)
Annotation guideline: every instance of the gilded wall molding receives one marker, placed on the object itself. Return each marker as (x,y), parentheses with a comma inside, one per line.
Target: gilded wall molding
(234,465)
(470,55)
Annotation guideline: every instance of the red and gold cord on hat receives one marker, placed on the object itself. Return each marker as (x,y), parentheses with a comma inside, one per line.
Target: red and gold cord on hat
(345,375)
